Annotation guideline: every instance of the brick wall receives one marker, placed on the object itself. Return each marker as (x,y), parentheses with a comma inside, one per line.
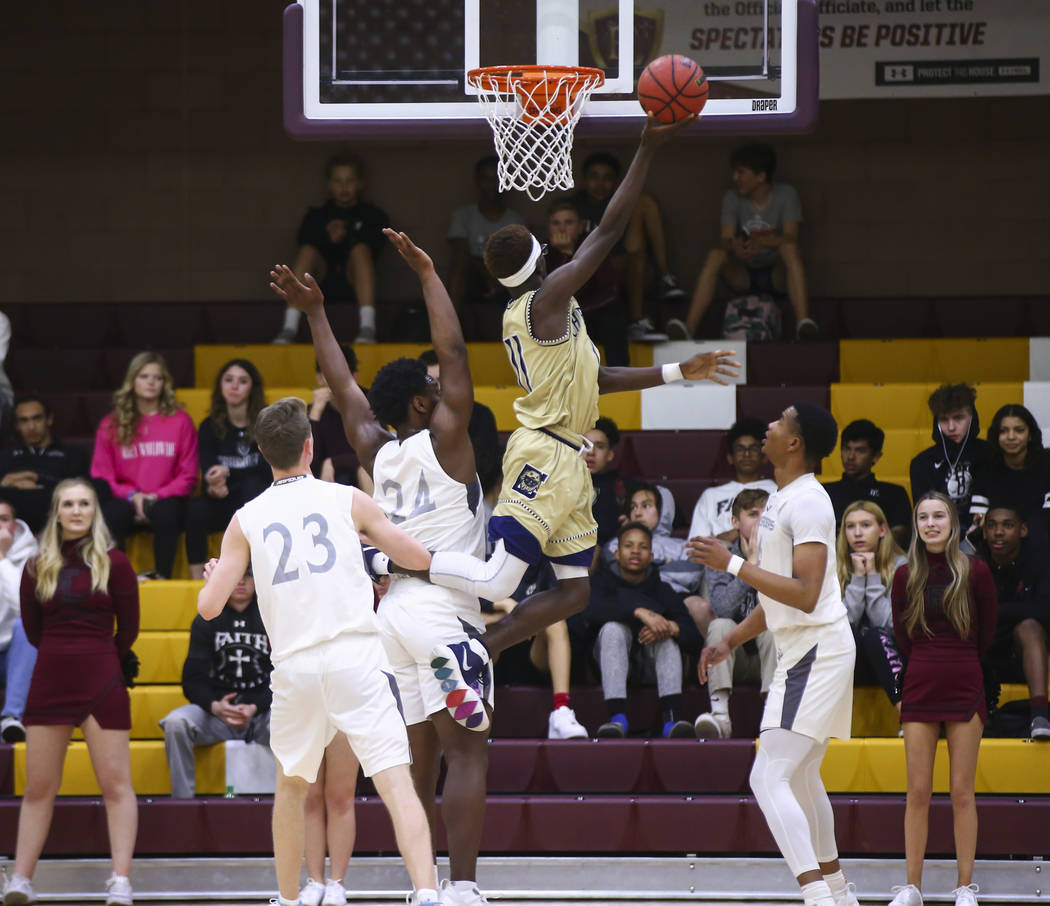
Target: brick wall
(143,158)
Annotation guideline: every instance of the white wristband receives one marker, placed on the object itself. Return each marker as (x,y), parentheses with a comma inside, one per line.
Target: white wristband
(735,563)
(672,371)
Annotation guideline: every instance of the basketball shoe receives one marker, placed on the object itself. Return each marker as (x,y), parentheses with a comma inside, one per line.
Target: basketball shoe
(678,729)
(462,669)
(966,895)
(18,891)
(677,330)
(907,895)
(669,288)
(423,898)
(642,331)
(847,897)
(466,894)
(312,893)
(334,894)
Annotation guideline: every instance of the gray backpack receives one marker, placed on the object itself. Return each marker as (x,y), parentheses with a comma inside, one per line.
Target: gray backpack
(751,318)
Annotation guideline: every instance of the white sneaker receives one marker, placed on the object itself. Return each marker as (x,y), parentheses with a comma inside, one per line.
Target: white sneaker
(366,335)
(966,896)
(18,891)
(450,896)
(713,726)
(642,331)
(312,893)
(562,724)
(118,891)
(907,895)
(423,898)
(334,894)
(848,897)
(677,329)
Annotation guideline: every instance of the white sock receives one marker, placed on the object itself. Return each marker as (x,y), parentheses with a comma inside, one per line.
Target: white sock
(285,902)
(424,895)
(720,702)
(837,882)
(817,893)
(291,318)
(368,316)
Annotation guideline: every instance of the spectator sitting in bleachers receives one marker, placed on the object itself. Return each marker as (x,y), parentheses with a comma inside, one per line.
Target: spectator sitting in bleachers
(17,656)
(146,450)
(549,652)
(610,487)
(338,244)
(234,470)
(758,245)
(1022,581)
(653,507)
(334,458)
(712,515)
(637,621)
(861,448)
(477,295)
(80,609)
(226,679)
(484,438)
(1018,469)
(867,558)
(600,297)
(32,467)
(645,231)
(732,600)
(958,454)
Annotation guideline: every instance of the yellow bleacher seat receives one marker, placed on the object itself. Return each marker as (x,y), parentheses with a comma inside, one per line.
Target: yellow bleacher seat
(197,400)
(168,605)
(161,655)
(148,705)
(905,405)
(139,548)
(898,449)
(149,770)
(938,360)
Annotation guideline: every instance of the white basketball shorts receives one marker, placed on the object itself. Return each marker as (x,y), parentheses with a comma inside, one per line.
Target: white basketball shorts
(812,688)
(344,685)
(414,616)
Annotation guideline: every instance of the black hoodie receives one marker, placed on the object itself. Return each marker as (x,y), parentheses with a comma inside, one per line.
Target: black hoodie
(950,467)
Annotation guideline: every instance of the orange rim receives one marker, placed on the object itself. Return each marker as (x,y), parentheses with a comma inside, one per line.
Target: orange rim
(543,90)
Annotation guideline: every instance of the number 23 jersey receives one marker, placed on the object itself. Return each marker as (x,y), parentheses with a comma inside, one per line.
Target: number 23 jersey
(310,577)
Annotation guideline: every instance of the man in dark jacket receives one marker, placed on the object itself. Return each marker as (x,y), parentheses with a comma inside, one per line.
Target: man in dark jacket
(957,452)
(1022,584)
(638,620)
(226,678)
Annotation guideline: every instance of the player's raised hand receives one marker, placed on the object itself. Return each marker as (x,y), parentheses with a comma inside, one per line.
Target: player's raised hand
(416,258)
(711,366)
(708,551)
(656,133)
(305,294)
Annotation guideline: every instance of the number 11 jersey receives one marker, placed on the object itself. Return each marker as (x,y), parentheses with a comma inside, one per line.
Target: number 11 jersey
(306,557)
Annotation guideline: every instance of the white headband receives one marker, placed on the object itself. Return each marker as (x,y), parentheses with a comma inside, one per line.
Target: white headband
(520,276)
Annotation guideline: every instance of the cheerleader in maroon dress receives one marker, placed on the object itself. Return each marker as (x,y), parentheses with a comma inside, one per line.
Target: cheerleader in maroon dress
(944,611)
(72,593)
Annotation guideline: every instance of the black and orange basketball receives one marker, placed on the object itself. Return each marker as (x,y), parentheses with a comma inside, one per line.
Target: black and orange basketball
(672,87)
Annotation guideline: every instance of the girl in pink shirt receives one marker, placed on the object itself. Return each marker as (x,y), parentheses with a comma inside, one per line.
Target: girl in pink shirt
(146,450)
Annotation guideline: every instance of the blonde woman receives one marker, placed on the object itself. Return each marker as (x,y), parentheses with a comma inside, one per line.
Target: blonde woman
(78,680)
(867,556)
(146,450)
(944,612)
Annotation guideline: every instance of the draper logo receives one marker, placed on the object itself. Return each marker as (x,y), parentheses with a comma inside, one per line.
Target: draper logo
(764,104)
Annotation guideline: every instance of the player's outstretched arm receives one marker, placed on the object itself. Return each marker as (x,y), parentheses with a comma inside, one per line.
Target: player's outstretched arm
(709,366)
(452,414)
(222,579)
(552,299)
(365,434)
(401,548)
(800,590)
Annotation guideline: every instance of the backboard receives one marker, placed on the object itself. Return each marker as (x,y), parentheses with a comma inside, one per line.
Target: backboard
(377,68)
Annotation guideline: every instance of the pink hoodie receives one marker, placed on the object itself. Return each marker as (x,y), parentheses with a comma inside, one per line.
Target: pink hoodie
(161,459)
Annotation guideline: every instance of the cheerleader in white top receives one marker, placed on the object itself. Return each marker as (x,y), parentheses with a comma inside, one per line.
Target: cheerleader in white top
(811,697)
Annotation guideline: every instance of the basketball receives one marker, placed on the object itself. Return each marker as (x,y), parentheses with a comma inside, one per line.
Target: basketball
(672,87)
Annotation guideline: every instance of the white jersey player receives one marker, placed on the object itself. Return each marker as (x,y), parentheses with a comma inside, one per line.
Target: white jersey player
(330,669)
(426,481)
(811,695)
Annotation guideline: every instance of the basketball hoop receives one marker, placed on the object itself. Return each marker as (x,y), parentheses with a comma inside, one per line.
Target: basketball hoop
(533,111)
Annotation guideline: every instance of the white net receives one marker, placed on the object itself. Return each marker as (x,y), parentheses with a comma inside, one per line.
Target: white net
(533,113)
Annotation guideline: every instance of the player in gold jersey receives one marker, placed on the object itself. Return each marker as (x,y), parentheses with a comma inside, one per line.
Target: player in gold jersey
(544,507)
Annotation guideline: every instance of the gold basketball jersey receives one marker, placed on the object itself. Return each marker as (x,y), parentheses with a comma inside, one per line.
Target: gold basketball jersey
(559,377)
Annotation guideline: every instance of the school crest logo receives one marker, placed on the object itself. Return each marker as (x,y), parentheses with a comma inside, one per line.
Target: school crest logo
(528,481)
